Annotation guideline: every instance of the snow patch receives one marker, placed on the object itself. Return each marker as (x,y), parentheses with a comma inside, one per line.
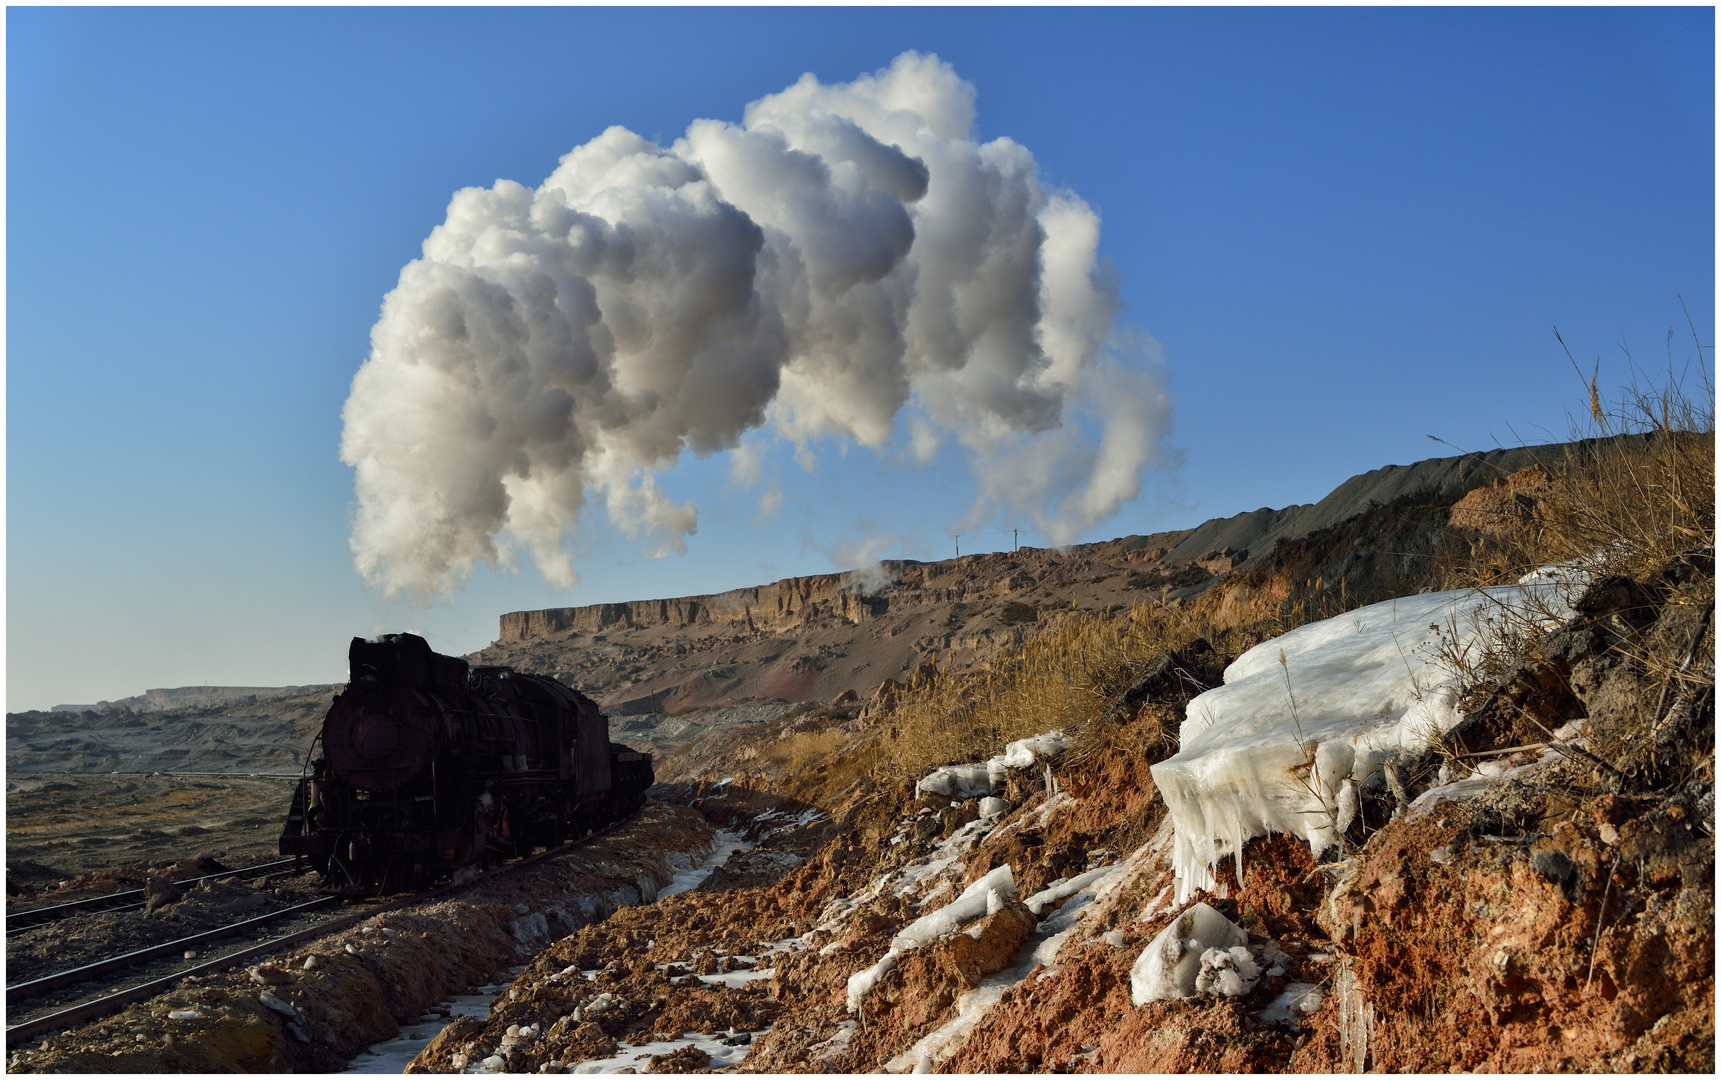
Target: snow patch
(739,977)
(837,1045)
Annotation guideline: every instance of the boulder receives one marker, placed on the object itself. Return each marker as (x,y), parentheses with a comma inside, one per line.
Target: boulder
(158,892)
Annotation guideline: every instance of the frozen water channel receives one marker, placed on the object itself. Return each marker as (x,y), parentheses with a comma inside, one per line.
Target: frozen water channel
(724,845)
(394,1055)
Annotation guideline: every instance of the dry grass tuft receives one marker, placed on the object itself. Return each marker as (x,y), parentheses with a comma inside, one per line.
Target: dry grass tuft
(1063,676)
(1636,489)
(1632,503)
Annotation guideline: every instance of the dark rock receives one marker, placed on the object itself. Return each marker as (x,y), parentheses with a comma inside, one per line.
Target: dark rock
(158,892)
(686,1059)
(1615,595)
(1558,868)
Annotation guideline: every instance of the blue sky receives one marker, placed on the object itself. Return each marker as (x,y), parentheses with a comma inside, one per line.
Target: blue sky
(1349,229)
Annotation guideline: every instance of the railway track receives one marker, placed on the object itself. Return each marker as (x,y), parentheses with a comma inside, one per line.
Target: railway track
(19,922)
(87,972)
(109,1000)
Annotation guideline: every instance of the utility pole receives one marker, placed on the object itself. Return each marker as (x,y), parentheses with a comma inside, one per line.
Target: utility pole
(1016,539)
(958,545)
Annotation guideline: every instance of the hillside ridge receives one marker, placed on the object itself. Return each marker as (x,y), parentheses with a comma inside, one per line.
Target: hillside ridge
(857,595)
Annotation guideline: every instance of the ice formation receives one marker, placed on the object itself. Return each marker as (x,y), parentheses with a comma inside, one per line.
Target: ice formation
(966,908)
(964,781)
(1490,775)
(1174,963)
(982,778)
(1037,954)
(1307,720)
(983,897)
(688,877)
(1296,1001)
(1025,753)
(862,982)
(1063,890)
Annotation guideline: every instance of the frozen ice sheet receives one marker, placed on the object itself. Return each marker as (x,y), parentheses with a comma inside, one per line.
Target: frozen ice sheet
(1305,720)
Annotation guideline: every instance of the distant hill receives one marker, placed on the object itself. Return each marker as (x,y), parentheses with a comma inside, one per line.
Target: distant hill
(818,637)
(671,670)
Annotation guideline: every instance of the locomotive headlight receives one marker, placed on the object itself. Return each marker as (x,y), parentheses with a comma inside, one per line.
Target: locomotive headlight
(378,742)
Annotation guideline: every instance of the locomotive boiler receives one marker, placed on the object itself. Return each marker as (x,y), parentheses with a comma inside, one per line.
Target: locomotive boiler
(428,766)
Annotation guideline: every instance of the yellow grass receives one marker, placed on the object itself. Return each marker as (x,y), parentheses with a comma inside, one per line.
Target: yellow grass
(1637,500)
(1063,676)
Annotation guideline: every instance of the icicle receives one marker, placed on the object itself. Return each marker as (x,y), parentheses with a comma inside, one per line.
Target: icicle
(1356,1020)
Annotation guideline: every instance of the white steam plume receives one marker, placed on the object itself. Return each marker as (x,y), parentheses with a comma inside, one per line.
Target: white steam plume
(844,255)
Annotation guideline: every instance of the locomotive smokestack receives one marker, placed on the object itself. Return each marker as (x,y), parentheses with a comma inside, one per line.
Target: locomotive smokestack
(846,258)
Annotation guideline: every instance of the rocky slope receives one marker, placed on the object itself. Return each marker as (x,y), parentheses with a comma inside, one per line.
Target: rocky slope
(1555,913)
(199,729)
(818,638)
(1536,891)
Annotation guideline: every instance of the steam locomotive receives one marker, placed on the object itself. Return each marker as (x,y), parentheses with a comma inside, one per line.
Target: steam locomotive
(430,766)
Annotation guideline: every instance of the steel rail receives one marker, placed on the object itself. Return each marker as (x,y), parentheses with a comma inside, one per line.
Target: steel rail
(110,1003)
(20,991)
(20,921)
